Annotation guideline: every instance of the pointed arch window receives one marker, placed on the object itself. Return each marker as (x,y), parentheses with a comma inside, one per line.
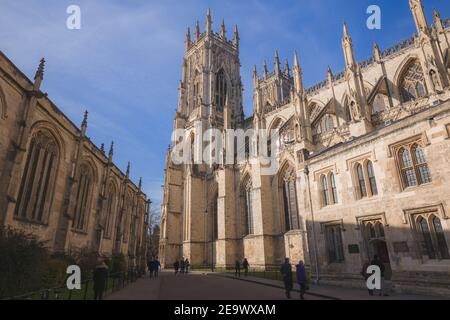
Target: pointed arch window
(83,196)
(413,165)
(248,208)
(110,210)
(324,124)
(412,82)
(333,188)
(361,181)
(215,217)
(291,217)
(334,243)
(431,237)
(221,90)
(38,179)
(325,190)
(372,180)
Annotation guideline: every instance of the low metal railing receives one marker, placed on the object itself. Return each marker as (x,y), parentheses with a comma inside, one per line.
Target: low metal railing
(114,282)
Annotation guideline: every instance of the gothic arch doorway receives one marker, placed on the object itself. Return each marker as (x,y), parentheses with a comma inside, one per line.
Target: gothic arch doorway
(379,247)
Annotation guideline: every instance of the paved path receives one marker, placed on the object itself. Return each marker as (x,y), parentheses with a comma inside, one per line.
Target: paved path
(198,286)
(203,286)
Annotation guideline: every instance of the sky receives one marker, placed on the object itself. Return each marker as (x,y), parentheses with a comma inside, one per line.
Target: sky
(124,64)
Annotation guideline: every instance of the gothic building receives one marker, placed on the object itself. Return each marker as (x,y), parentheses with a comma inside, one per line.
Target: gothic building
(363,162)
(56,184)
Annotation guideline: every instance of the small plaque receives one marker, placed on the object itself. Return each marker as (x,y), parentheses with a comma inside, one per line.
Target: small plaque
(353,249)
(400,247)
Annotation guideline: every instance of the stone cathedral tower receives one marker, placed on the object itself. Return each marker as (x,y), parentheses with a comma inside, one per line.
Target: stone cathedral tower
(210,96)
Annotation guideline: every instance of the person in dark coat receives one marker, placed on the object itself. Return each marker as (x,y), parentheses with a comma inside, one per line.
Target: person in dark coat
(377,262)
(301,279)
(151,268)
(100,277)
(366,275)
(286,271)
(237,267)
(182,265)
(176,266)
(186,265)
(245,265)
(157,266)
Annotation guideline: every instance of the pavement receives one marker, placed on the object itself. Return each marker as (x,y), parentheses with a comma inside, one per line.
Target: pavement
(221,286)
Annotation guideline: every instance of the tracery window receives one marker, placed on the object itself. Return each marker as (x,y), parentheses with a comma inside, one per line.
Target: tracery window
(333,235)
(413,165)
(110,210)
(432,237)
(83,197)
(325,124)
(365,180)
(328,189)
(361,181)
(38,179)
(221,90)
(289,187)
(412,84)
(248,208)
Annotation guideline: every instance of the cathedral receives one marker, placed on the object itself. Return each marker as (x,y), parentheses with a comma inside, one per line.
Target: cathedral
(362,157)
(56,184)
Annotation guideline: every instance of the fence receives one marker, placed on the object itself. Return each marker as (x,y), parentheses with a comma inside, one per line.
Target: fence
(115,282)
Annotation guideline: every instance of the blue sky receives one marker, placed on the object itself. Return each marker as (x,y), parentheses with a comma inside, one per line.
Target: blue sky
(124,64)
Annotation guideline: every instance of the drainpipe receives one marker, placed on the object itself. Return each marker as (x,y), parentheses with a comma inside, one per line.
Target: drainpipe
(316,261)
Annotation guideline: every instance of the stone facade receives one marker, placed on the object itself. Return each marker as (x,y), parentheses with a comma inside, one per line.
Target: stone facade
(363,165)
(56,184)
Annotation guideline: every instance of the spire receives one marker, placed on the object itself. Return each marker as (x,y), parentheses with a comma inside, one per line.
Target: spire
(188,39)
(277,63)
(40,70)
(419,16)
(140,184)
(437,21)
(84,123)
(347,46)
(376,52)
(287,69)
(208,21)
(236,37)
(197,30)
(330,75)
(102,148)
(265,71)
(223,31)
(128,169)
(298,76)
(255,76)
(39,76)
(111,151)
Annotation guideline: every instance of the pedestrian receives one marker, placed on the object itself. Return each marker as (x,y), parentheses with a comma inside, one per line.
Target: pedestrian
(149,267)
(182,265)
(366,275)
(176,266)
(237,267)
(187,265)
(286,271)
(152,268)
(157,266)
(100,277)
(301,279)
(245,265)
(377,262)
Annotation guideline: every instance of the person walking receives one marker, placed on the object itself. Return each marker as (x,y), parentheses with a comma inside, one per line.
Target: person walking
(176,266)
(187,265)
(157,266)
(301,279)
(237,267)
(366,275)
(286,271)
(245,265)
(182,265)
(152,268)
(377,262)
(100,277)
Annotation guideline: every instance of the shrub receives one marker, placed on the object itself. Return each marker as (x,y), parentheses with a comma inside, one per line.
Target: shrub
(24,261)
(117,264)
